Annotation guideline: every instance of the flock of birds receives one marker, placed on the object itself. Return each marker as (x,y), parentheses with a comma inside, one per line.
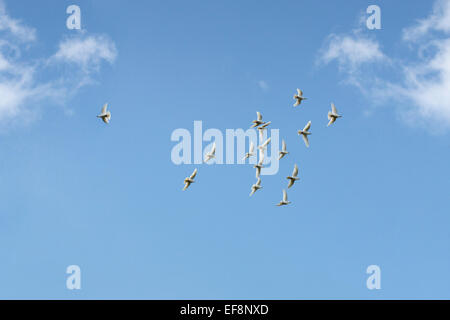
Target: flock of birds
(260,125)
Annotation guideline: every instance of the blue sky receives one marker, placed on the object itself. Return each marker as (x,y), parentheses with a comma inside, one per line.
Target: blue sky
(108,198)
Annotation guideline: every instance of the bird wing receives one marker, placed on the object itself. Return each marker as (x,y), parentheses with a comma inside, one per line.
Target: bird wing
(285,196)
(305,138)
(283,145)
(187,184)
(333,108)
(291,183)
(213,150)
(104,108)
(258,116)
(265,125)
(105,119)
(307,127)
(252,147)
(258,183)
(266,143)
(332,120)
(258,171)
(297,103)
(193,174)
(295,172)
(300,92)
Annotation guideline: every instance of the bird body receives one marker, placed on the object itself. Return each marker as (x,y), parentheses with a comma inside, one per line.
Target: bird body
(305,133)
(294,177)
(189,180)
(105,115)
(333,115)
(285,201)
(298,97)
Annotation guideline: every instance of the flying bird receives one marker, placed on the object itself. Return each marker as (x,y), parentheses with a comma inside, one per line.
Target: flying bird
(264,145)
(258,120)
(259,165)
(294,177)
(298,97)
(283,151)
(265,125)
(256,187)
(285,201)
(105,115)
(250,152)
(333,115)
(189,180)
(305,133)
(212,154)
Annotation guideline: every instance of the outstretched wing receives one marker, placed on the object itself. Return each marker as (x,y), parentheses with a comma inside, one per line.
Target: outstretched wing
(305,138)
(104,108)
(252,147)
(332,120)
(291,183)
(333,108)
(285,198)
(297,103)
(258,116)
(283,145)
(300,92)
(307,127)
(295,172)
(213,150)
(193,174)
(258,183)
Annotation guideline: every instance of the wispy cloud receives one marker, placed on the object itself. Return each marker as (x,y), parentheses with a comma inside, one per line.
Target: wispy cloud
(351,51)
(86,52)
(423,93)
(438,20)
(20,87)
(263,85)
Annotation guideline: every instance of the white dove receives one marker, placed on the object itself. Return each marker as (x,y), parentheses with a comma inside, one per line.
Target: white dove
(298,97)
(189,180)
(305,133)
(283,151)
(333,115)
(256,187)
(264,145)
(250,152)
(212,154)
(258,120)
(285,201)
(259,165)
(294,177)
(105,115)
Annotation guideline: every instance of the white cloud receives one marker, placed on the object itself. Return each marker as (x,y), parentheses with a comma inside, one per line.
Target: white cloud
(351,51)
(423,92)
(438,20)
(20,89)
(15,27)
(87,52)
